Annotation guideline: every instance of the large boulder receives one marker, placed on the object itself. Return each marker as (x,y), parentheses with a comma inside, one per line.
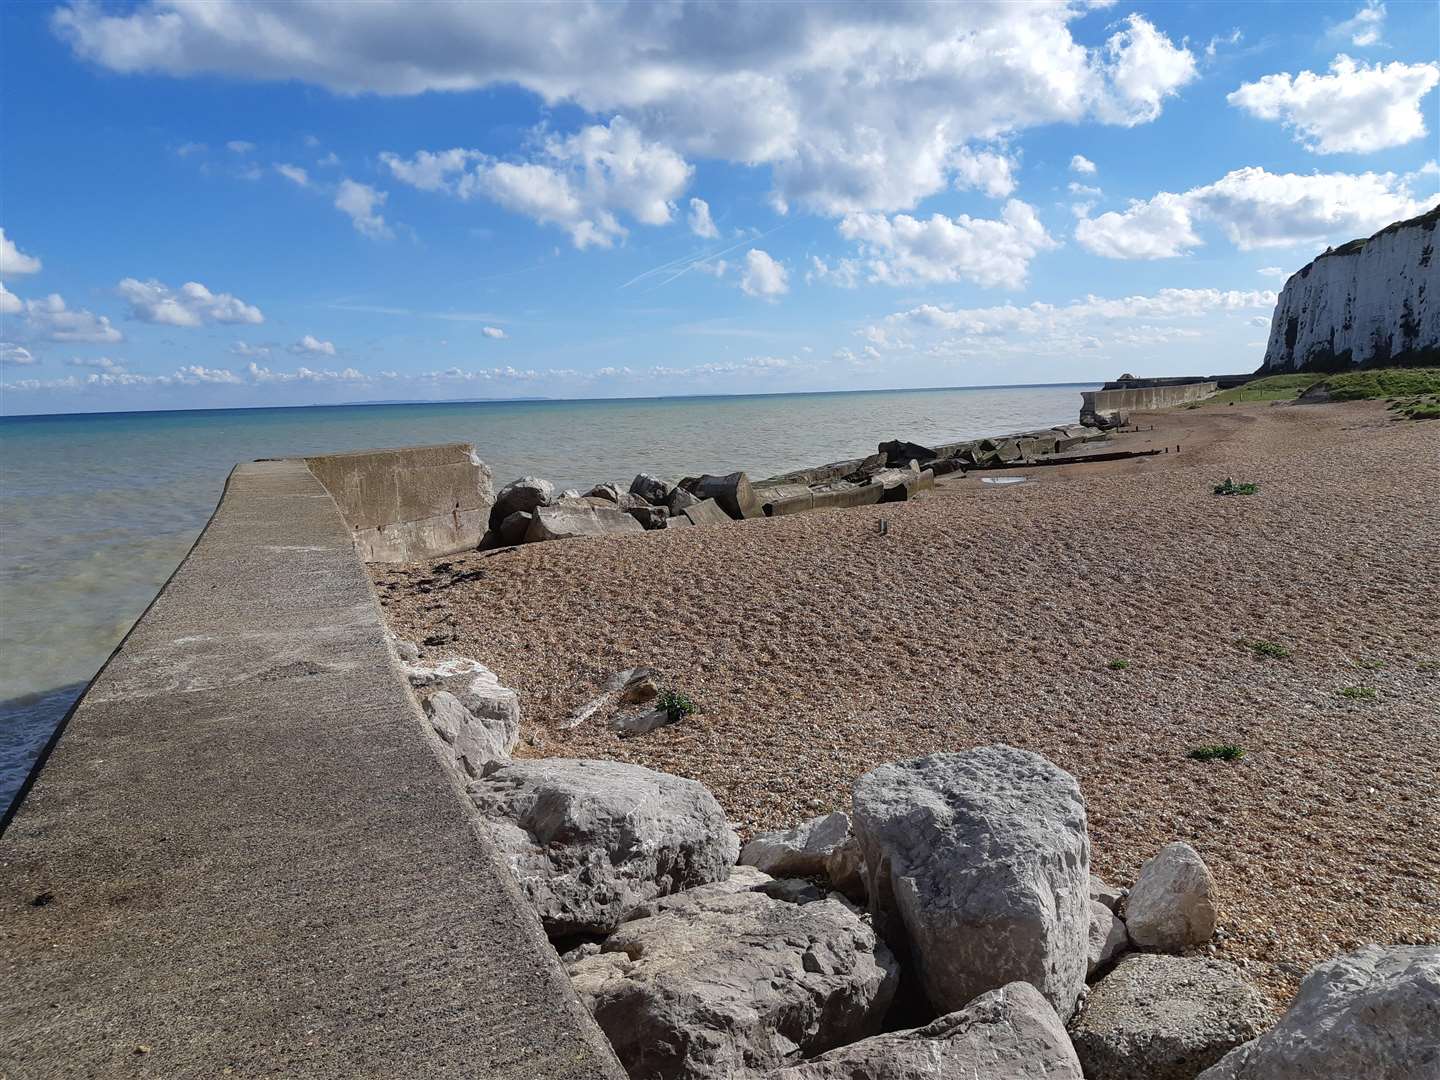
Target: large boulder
(1108,939)
(565,522)
(1006,1034)
(608,492)
(679,500)
(468,708)
(732,492)
(725,984)
(1166,1018)
(514,528)
(590,840)
(652,489)
(799,852)
(899,453)
(706,512)
(529,493)
(978,867)
(1372,1014)
(1171,906)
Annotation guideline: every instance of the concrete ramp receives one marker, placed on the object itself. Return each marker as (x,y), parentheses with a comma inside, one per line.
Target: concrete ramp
(242,858)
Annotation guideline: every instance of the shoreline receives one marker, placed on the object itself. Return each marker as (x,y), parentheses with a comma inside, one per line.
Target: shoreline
(817,648)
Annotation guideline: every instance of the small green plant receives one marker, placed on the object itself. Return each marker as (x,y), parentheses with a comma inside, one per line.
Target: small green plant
(1358,693)
(676,704)
(1118,665)
(1229,487)
(1370,665)
(1217,752)
(1428,666)
(1267,649)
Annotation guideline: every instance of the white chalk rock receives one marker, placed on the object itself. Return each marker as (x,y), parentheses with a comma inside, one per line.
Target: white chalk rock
(978,868)
(1171,907)
(1108,939)
(801,851)
(477,740)
(1373,1014)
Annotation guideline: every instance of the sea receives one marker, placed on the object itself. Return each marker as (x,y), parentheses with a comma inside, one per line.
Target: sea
(97,509)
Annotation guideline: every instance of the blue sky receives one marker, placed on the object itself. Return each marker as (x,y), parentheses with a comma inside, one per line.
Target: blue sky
(227,203)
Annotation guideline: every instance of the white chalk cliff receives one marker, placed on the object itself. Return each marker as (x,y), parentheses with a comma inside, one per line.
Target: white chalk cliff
(1370,302)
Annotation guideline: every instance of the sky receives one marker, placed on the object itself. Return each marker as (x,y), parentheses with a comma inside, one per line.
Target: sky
(228,203)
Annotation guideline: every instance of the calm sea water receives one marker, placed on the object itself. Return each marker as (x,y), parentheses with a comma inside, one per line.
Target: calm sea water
(97,510)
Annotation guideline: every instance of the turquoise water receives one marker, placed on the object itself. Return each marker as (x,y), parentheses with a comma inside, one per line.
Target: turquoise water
(97,510)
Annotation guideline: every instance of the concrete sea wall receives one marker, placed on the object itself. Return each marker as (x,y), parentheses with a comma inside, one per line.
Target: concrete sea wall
(1095,403)
(242,856)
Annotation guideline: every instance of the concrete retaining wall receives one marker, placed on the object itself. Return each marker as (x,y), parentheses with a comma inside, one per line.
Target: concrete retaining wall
(416,502)
(1105,402)
(242,856)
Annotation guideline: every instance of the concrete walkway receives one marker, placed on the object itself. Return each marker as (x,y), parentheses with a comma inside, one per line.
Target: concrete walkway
(243,859)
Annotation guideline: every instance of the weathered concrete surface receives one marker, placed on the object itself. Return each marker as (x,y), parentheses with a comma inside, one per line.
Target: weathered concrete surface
(416,502)
(253,858)
(1098,403)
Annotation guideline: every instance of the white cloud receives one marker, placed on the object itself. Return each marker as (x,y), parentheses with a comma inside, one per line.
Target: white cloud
(239,146)
(1256,209)
(99,363)
(13,261)
(191,305)
(1082,165)
(700,221)
(763,276)
(16,355)
(1085,190)
(51,320)
(901,250)
(362,203)
(1273,271)
(1358,108)
(310,345)
(1213,45)
(580,183)
(242,349)
(330,160)
(294,173)
(303,375)
(494,333)
(845,273)
(853,108)
(10,304)
(1365,26)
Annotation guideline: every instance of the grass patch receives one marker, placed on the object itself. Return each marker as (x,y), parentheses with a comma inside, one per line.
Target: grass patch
(1358,693)
(1229,487)
(1370,665)
(1271,388)
(1118,665)
(1269,650)
(1218,752)
(676,704)
(1384,383)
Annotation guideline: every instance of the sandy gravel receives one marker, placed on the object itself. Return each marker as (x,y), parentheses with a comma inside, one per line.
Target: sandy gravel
(989,614)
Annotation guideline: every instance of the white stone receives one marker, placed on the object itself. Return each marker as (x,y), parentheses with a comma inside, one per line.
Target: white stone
(727,984)
(1108,939)
(590,841)
(801,851)
(978,868)
(1373,1014)
(1171,907)
(476,741)
(1006,1034)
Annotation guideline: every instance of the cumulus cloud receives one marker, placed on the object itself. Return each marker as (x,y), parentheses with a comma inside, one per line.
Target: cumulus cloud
(303,375)
(190,305)
(49,319)
(1256,209)
(294,173)
(361,204)
(700,222)
(310,345)
(10,304)
(1358,108)
(845,273)
(16,355)
(13,261)
(1365,26)
(581,183)
(901,250)
(1273,271)
(1082,165)
(99,363)
(853,107)
(763,276)
(494,333)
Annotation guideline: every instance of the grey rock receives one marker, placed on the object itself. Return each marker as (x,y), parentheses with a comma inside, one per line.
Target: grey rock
(529,493)
(1108,939)
(1007,1034)
(652,489)
(514,528)
(1373,1014)
(476,741)
(727,985)
(650,517)
(732,491)
(591,840)
(679,500)
(978,867)
(565,522)
(469,709)
(407,651)
(1165,1018)
(608,492)
(570,493)
(741,879)
(801,851)
(1171,906)
(845,867)
(640,723)
(1105,894)
(706,512)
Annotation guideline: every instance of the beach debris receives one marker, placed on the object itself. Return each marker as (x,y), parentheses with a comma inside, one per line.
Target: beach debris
(1373,1012)
(652,489)
(1003,479)
(1007,1034)
(619,681)
(803,851)
(719,984)
(1108,939)
(1171,906)
(988,849)
(641,723)
(590,840)
(732,491)
(564,522)
(1166,1018)
(529,493)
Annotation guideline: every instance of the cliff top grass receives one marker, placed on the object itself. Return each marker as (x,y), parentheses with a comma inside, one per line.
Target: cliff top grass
(1384,383)
(1272,388)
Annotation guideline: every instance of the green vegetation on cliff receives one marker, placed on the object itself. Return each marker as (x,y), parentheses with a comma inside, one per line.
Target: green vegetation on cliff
(1383,383)
(1273,388)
